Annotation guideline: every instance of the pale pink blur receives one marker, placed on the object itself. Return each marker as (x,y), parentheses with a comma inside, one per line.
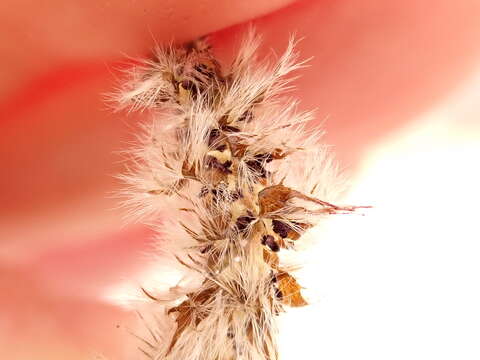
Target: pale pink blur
(384,76)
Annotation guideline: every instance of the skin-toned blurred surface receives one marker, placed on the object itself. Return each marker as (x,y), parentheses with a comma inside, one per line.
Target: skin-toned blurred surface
(58,32)
(377,67)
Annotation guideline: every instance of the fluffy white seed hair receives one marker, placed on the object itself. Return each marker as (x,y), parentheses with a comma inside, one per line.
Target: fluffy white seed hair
(230,166)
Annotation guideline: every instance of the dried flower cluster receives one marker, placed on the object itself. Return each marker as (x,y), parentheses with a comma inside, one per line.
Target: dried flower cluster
(232,163)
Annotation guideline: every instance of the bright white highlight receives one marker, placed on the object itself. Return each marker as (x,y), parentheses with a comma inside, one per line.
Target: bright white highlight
(403,281)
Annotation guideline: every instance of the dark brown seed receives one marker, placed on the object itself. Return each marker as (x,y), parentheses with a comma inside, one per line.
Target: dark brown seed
(203,191)
(191,87)
(219,191)
(237,195)
(229,128)
(162,97)
(190,46)
(274,278)
(198,80)
(226,194)
(188,85)
(212,162)
(278,293)
(256,166)
(247,116)
(205,249)
(269,241)
(221,148)
(264,157)
(202,69)
(243,222)
(213,136)
(280,228)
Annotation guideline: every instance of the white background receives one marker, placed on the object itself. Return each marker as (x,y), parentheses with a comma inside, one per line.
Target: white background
(403,281)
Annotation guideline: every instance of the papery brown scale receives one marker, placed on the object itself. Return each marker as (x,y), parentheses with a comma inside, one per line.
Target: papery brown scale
(189,313)
(188,170)
(290,289)
(271,259)
(273,198)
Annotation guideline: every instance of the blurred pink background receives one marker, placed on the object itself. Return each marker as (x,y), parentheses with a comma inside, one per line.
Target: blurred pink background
(393,83)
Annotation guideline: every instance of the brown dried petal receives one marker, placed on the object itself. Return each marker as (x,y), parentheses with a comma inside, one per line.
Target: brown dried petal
(238,149)
(188,170)
(271,259)
(189,313)
(273,198)
(278,154)
(184,319)
(290,290)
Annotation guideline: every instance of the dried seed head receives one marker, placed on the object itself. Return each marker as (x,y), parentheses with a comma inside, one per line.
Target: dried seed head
(217,155)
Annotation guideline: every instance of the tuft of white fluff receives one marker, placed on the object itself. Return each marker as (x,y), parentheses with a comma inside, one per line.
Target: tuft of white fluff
(229,164)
